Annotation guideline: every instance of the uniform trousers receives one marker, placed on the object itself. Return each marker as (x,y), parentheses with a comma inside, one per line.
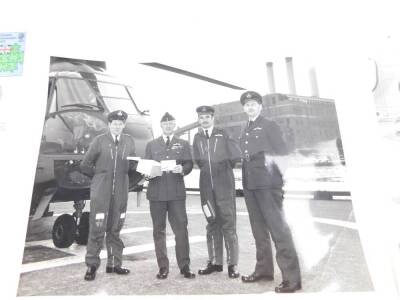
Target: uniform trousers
(268,221)
(109,224)
(177,217)
(223,228)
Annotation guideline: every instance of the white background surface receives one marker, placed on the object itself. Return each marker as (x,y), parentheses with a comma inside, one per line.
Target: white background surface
(216,39)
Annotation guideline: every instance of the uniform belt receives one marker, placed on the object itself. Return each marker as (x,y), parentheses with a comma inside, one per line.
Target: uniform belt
(256,156)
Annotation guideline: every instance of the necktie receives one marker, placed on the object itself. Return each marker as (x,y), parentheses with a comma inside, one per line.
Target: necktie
(116,140)
(207,134)
(167,142)
(251,123)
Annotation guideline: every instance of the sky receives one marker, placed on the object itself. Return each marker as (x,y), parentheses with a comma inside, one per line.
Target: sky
(160,91)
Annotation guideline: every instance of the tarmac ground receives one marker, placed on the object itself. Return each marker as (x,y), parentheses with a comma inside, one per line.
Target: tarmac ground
(324,231)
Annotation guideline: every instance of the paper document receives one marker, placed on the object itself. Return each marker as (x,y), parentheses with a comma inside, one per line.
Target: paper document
(149,167)
(12,51)
(168,165)
(133,158)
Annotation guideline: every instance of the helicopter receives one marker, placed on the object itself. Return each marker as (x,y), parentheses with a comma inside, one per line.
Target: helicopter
(80,96)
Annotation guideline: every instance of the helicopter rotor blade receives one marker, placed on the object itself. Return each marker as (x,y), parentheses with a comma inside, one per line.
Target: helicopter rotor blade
(193,75)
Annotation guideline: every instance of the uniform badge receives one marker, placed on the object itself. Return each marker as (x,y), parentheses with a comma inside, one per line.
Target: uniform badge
(176,146)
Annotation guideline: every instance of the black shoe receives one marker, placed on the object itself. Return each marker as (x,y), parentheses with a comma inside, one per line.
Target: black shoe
(288,287)
(187,273)
(233,272)
(210,269)
(162,273)
(90,273)
(118,270)
(254,277)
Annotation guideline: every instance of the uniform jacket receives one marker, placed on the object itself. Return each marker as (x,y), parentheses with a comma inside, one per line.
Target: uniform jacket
(263,137)
(169,186)
(216,157)
(106,163)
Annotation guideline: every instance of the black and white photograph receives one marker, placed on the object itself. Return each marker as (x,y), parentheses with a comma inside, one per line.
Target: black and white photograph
(264,207)
(186,149)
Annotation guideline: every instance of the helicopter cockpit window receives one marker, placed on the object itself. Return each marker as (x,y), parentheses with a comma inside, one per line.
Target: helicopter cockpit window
(72,129)
(140,105)
(71,132)
(116,97)
(75,93)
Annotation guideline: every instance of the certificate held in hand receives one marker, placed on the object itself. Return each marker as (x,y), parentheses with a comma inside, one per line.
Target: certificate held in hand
(147,167)
(168,165)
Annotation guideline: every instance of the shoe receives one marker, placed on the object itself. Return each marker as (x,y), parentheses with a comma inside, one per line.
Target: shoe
(162,273)
(90,273)
(233,272)
(187,273)
(254,277)
(210,269)
(288,287)
(118,270)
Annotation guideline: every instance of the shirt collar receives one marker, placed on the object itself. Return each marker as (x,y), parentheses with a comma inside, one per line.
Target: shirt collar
(113,136)
(165,137)
(210,130)
(254,119)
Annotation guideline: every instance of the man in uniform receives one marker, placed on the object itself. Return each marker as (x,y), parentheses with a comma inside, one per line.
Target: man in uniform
(105,161)
(260,141)
(167,194)
(216,153)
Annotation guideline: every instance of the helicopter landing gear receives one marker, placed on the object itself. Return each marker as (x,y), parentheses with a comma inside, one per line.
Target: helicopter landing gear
(82,232)
(82,223)
(64,231)
(69,228)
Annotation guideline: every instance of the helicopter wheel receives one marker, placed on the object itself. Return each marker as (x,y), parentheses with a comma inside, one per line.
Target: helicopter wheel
(82,232)
(64,231)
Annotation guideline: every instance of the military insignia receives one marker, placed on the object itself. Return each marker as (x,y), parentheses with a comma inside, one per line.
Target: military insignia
(257,128)
(248,96)
(176,146)
(218,134)
(119,113)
